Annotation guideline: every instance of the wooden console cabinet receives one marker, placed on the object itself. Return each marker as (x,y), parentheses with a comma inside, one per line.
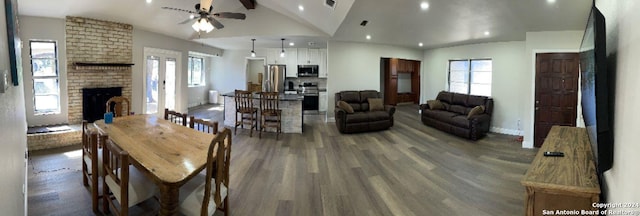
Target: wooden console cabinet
(562,183)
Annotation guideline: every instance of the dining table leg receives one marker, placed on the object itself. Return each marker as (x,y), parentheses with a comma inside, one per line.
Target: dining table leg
(169,200)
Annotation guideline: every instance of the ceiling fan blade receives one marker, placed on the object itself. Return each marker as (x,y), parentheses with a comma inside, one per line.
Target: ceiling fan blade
(187,20)
(230,15)
(205,5)
(215,23)
(178,9)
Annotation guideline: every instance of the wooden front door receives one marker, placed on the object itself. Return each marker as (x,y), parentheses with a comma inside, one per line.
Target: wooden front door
(556,92)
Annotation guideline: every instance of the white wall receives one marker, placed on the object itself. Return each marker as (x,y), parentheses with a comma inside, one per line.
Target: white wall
(541,42)
(40,28)
(356,66)
(623,40)
(141,39)
(199,95)
(13,124)
(506,90)
(230,70)
(255,67)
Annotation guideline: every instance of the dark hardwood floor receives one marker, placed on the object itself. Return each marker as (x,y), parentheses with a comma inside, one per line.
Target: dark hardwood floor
(411,169)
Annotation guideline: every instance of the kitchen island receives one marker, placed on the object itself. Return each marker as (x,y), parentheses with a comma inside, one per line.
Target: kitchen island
(291,106)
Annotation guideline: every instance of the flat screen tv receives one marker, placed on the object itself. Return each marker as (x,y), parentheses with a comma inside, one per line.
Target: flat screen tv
(597,91)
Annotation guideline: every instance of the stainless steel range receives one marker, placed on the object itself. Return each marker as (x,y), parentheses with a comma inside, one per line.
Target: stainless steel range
(310,92)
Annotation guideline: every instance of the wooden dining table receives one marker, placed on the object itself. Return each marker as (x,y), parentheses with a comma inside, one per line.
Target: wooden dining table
(167,153)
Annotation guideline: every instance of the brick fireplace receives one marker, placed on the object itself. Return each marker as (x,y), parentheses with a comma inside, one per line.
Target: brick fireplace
(96,41)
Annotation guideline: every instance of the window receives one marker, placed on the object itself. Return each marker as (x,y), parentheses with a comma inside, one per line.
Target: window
(196,71)
(470,76)
(44,69)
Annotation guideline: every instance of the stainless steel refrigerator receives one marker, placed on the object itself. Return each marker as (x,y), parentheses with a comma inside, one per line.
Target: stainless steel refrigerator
(274,79)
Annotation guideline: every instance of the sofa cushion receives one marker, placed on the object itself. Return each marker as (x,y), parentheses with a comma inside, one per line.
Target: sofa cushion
(357,117)
(460,121)
(459,99)
(378,115)
(458,109)
(375,104)
(476,100)
(350,96)
(444,97)
(435,104)
(345,106)
(365,95)
(475,111)
(439,115)
(446,106)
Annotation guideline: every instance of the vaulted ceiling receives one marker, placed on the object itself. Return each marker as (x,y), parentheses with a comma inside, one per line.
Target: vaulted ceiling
(394,22)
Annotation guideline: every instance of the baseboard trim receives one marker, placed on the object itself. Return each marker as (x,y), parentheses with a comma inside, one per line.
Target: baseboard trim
(506,131)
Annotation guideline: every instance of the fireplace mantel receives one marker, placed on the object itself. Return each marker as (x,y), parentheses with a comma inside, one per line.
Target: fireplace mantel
(102,66)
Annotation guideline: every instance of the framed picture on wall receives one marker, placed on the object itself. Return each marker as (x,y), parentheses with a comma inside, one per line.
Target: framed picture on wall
(13,37)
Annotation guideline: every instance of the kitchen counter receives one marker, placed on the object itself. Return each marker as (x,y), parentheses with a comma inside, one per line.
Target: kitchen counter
(291,106)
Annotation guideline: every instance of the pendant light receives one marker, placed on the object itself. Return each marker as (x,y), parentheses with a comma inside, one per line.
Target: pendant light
(282,47)
(253,46)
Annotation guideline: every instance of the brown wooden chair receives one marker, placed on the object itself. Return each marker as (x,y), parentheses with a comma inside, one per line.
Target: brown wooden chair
(202,196)
(91,163)
(175,117)
(248,113)
(121,107)
(122,181)
(271,115)
(203,125)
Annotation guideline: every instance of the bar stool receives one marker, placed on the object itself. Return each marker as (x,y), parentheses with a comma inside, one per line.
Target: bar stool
(271,115)
(248,113)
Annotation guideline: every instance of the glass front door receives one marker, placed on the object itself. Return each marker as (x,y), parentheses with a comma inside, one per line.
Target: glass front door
(160,84)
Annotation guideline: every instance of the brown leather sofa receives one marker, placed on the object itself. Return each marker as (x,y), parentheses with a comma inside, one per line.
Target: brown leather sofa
(453,117)
(362,119)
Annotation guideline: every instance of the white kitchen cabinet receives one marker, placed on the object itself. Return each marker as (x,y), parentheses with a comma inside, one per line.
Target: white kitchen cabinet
(322,102)
(303,57)
(314,57)
(291,62)
(322,66)
(273,56)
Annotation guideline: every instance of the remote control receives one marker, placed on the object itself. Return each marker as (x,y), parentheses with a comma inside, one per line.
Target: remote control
(553,154)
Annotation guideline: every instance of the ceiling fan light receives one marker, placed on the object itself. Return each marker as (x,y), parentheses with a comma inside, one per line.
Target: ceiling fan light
(196,26)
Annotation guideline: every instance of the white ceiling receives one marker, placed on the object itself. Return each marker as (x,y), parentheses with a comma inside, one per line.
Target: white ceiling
(396,22)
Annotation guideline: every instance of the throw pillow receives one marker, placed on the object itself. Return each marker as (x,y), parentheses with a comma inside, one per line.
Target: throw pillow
(475,111)
(435,104)
(375,104)
(345,106)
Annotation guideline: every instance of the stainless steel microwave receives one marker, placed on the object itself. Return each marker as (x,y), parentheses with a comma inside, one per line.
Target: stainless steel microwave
(307,70)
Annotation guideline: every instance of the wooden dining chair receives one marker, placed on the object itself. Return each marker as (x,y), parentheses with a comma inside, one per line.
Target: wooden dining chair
(203,196)
(271,114)
(248,113)
(122,182)
(91,163)
(175,117)
(121,106)
(203,125)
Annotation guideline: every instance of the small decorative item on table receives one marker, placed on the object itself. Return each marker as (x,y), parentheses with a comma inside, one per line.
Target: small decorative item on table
(108,118)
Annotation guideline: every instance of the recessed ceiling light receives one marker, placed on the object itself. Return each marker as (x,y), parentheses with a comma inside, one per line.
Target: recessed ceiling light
(368,37)
(149,1)
(420,44)
(424,5)
(487,33)
(300,7)
(291,44)
(551,1)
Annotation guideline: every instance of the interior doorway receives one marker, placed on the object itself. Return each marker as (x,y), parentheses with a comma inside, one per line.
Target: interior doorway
(556,92)
(255,71)
(161,68)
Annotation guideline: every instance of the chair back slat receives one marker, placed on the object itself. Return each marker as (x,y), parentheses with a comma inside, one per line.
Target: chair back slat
(269,101)
(121,106)
(175,117)
(116,166)
(203,125)
(244,100)
(218,159)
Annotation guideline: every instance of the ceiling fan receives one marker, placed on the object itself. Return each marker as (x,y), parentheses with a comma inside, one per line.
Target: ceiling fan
(205,20)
